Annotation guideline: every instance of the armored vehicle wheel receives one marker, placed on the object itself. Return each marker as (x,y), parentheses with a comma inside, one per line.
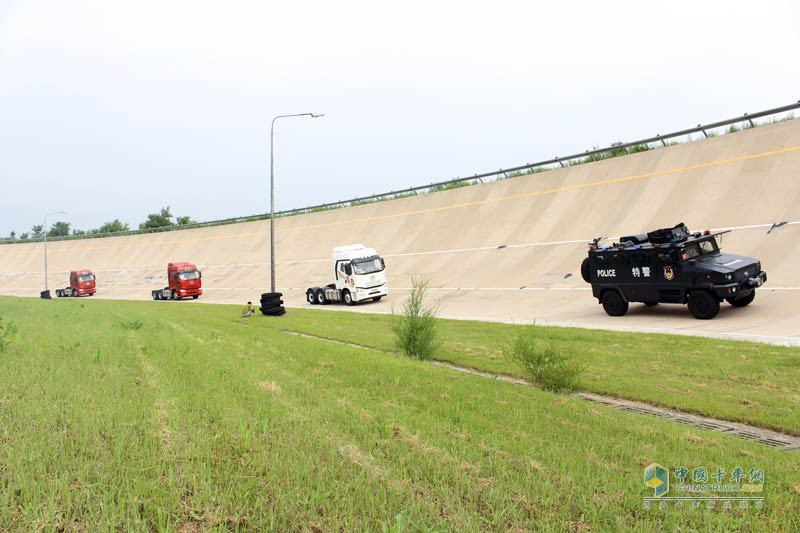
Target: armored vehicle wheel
(613,303)
(742,302)
(348,298)
(311,298)
(321,297)
(585,270)
(703,305)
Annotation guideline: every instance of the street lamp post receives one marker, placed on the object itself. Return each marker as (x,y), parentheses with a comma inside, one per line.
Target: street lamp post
(272,193)
(46,293)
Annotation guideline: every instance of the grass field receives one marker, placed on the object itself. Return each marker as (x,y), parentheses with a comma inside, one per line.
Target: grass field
(736,381)
(179,416)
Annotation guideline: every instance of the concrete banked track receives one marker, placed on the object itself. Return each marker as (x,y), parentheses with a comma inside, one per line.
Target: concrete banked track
(509,250)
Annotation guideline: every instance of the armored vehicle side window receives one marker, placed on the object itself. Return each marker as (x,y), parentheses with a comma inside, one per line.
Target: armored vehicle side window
(690,252)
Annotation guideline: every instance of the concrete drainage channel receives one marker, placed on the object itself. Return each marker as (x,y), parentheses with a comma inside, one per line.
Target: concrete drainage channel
(774,439)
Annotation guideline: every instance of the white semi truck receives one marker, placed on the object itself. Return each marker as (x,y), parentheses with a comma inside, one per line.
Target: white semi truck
(360,275)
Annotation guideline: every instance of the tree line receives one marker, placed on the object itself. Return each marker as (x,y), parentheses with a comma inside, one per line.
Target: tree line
(60,228)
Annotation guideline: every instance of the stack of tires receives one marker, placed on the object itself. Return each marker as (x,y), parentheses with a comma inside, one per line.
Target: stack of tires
(271,304)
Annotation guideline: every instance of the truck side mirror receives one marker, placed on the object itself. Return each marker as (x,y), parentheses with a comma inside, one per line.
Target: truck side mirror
(383,263)
(199,274)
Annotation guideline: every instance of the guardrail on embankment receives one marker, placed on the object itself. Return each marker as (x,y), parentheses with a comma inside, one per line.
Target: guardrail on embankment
(614,150)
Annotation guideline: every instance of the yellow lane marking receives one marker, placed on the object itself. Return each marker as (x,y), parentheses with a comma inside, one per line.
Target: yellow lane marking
(553,191)
(533,194)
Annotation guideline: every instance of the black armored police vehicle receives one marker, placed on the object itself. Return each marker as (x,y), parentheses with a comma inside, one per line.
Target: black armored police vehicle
(673,266)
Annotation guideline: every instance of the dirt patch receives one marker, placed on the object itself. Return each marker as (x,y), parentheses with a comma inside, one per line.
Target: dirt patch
(270,386)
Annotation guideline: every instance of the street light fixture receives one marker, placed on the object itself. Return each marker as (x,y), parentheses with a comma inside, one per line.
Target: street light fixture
(46,293)
(272,193)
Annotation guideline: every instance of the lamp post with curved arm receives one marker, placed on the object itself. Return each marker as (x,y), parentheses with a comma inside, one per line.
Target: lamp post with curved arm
(46,293)
(272,193)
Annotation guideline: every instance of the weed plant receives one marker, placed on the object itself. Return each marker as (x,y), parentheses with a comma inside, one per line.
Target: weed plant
(542,361)
(415,327)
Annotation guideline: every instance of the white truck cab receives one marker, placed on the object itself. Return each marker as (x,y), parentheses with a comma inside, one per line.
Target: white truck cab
(359,274)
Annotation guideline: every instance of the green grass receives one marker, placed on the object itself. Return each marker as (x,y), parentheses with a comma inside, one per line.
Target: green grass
(737,381)
(178,416)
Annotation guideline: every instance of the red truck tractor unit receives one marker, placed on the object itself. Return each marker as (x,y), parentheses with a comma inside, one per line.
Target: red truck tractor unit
(184,281)
(81,283)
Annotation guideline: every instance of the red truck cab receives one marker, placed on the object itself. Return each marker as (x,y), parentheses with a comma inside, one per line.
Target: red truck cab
(81,283)
(184,280)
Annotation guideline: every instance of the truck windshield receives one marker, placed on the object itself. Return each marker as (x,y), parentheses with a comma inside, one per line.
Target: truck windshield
(83,278)
(187,275)
(367,266)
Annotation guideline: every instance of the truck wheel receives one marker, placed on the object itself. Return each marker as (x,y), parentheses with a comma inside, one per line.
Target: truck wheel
(613,303)
(651,304)
(742,302)
(311,297)
(703,305)
(377,298)
(174,294)
(348,298)
(321,297)
(155,295)
(195,297)
(585,270)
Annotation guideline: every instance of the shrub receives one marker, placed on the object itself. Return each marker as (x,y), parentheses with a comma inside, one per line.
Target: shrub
(545,364)
(6,332)
(415,327)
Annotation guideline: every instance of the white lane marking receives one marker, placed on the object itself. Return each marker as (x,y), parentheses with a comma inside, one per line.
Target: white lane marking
(411,254)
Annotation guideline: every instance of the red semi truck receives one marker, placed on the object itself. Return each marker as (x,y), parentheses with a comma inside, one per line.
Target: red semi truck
(184,280)
(81,283)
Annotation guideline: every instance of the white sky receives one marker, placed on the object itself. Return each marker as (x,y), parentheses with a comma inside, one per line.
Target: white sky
(115,109)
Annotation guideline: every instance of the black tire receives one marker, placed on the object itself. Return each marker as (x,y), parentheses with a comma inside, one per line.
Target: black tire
(277,311)
(585,270)
(651,304)
(321,300)
(347,297)
(614,304)
(271,295)
(271,305)
(174,294)
(154,294)
(195,296)
(742,302)
(703,305)
(377,298)
(311,297)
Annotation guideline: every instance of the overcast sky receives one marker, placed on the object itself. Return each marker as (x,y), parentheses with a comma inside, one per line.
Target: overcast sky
(116,109)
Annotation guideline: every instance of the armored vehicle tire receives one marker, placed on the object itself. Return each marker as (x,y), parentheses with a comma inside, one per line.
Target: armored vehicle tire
(703,305)
(311,297)
(585,270)
(377,298)
(321,297)
(348,298)
(742,302)
(613,303)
